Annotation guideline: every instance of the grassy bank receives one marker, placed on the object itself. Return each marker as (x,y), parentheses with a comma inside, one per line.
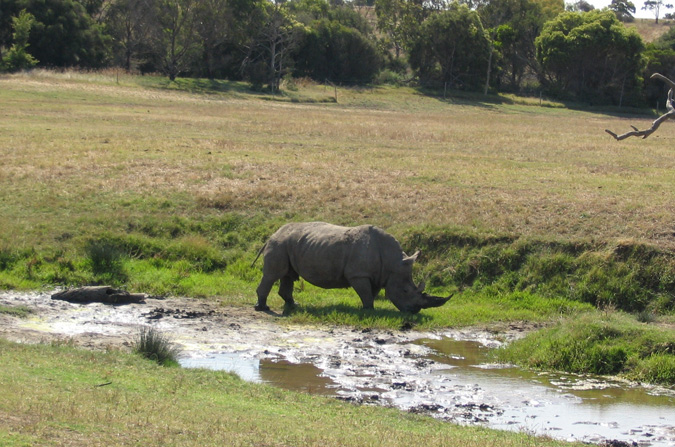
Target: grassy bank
(56,395)
(612,344)
(211,257)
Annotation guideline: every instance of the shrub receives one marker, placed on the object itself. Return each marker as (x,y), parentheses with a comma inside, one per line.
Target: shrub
(154,345)
(388,76)
(106,260)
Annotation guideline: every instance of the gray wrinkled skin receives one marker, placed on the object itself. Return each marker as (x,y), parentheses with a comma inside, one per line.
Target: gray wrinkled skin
(330,256)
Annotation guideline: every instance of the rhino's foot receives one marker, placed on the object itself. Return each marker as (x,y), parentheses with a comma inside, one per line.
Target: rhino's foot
(262,308)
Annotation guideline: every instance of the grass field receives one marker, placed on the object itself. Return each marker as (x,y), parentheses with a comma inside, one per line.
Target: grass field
(650,31)
(160,186)
(392,157)
(526,211)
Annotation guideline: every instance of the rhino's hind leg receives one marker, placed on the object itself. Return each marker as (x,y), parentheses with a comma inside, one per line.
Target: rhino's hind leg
(263,291)
(286,291)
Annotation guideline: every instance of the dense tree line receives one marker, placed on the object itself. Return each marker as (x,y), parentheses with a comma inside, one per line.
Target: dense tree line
(483,45)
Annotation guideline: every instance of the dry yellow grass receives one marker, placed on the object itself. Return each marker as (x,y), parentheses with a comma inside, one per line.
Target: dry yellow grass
(390,157)
(649,30)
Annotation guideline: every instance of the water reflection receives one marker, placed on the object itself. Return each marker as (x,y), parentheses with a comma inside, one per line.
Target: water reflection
(297,377)
(303,377)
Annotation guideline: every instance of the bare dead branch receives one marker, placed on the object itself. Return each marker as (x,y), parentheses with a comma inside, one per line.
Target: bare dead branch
(657,122)
(646,132)
(663,78)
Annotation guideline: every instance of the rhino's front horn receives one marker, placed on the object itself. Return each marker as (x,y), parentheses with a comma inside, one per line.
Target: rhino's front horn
(434,301)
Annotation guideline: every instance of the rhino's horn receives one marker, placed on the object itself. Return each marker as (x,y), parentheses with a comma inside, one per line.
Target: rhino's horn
(434,301)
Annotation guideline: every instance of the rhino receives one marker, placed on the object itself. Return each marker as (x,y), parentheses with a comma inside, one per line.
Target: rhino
(365,258)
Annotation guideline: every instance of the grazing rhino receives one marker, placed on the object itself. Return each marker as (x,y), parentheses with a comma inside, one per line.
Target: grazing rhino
(329,256)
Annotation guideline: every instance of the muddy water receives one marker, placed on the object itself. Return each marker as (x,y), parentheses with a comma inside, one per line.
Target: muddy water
(444,374)
(303,377)
(563,406)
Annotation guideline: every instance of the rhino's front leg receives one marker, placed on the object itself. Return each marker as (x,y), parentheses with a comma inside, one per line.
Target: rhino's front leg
(364,289)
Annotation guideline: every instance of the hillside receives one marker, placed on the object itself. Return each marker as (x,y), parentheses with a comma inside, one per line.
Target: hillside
(649,30)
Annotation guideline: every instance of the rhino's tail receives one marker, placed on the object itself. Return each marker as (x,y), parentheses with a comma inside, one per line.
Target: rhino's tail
(259,253)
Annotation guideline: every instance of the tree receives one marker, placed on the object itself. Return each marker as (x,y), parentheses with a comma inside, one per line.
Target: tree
(400,21)
(493,15)
(655,7)
(580,6)
(451,49)
(590,55)
(269,52)
(64,35)
(550,8)
(331,51)
(512,26)
(670,114)
(213,27)
(17,58)
(128,22)
(173,37)
(623,9)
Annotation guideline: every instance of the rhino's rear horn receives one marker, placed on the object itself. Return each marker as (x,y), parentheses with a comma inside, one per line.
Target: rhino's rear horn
(421,286)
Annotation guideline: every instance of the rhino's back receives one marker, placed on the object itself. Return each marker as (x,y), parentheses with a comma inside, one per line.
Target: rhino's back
(328,255)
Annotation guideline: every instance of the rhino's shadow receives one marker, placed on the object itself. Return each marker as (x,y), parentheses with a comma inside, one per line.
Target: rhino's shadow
(359,315)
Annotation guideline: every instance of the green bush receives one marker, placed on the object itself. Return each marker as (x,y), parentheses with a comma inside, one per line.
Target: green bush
(154,345)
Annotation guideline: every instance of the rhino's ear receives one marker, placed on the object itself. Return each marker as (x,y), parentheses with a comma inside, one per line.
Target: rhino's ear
(409,260)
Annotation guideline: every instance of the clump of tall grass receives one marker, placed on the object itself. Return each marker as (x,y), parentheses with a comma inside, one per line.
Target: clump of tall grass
(153,345)
(106,260)
(609,344)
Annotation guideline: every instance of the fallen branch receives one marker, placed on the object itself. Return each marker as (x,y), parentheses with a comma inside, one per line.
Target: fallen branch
(655,125)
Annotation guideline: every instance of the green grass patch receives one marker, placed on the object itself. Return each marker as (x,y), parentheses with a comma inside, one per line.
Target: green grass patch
(58,395)
(464,309)
(16,311)
(595,343)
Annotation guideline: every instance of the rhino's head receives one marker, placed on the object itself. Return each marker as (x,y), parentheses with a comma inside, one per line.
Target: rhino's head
(403,292)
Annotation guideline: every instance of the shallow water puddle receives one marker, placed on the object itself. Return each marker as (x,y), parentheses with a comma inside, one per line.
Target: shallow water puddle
(562,405)
(303,377)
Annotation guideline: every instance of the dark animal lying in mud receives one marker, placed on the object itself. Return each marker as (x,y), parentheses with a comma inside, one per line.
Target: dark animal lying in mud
(330,256)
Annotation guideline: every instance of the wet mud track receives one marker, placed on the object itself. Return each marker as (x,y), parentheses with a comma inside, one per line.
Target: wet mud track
(404,369)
